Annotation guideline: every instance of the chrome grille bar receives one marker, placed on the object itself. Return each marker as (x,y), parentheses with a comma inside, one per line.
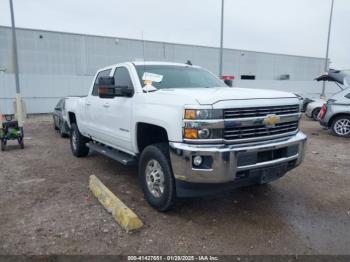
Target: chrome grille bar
(260,111)
(259,131)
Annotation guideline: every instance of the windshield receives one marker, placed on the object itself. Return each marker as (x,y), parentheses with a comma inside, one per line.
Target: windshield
(179,77)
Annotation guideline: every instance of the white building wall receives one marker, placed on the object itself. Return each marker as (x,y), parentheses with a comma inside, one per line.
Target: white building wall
(53,64)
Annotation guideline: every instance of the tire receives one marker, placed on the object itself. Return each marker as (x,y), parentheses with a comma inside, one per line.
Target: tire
(341,126)
(78,142)
(21,142)
(61,130)
(54,124)
(3,145)
(163,196)
(315,113)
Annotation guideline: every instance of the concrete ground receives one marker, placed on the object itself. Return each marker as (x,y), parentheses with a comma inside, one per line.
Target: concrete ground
(46,206)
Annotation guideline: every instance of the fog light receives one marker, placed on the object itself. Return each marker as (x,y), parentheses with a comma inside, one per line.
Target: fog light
(203,133)
(197,160)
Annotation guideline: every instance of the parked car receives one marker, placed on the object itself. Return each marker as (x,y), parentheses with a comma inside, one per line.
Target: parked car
(313,108)
(60,118)
(189,133)
(335,114)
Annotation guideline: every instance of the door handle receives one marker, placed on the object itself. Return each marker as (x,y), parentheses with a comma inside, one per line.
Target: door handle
(106,105)
(88,103)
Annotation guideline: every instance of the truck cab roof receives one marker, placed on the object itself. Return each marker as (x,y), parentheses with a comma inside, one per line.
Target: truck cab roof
(141,63)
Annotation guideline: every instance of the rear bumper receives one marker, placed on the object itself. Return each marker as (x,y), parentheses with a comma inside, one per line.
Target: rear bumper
(231,163)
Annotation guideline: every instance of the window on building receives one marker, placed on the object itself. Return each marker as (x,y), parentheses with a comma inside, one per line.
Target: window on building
(100,74)
(284,77)
(248,77)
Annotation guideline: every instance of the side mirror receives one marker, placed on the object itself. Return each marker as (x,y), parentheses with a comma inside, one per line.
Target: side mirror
(228,82)
(58,109)
(105,87)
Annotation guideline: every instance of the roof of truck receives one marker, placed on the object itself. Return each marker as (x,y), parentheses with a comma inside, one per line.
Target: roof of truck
(158,63)
(141,63)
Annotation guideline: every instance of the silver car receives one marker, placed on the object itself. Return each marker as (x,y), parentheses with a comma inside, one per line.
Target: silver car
(335,114)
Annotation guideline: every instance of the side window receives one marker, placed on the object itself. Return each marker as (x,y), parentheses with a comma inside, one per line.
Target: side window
(102,73)
(348,96)
(122,77)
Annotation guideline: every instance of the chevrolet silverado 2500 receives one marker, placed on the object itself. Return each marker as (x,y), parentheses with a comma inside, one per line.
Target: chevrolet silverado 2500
(188,132)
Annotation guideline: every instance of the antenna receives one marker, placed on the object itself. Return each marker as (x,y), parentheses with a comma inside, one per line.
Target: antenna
(143,46)
(143,52)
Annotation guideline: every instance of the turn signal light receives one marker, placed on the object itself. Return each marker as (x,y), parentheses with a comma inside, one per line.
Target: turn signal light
(322,112)
(190,133)
(190,114)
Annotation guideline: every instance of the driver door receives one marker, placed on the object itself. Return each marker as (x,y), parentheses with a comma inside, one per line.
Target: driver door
(119,113)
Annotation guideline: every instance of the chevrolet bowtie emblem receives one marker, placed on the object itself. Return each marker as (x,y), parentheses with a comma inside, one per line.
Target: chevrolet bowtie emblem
(271,120)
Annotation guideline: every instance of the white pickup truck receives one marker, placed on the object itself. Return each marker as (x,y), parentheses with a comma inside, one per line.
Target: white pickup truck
(189,133)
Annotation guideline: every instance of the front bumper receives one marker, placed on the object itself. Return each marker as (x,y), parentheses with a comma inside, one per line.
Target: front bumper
(230,162)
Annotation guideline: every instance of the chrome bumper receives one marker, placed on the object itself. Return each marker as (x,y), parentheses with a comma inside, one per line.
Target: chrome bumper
(225,165)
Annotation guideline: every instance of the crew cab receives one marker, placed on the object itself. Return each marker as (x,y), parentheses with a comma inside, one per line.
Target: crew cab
(188,132)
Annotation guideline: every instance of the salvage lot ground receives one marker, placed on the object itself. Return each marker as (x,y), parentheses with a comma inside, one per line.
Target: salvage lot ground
(46,206)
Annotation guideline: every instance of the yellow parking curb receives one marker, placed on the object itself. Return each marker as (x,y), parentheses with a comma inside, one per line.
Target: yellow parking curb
(125,217)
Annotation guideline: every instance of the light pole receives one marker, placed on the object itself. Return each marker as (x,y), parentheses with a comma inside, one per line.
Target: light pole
(15,62)
(326,65)
(221,38)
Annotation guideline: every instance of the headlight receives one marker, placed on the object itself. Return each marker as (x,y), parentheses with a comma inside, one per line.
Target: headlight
(205,133)
(203,114)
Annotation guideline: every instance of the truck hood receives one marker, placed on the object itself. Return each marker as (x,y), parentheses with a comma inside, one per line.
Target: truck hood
(205,96)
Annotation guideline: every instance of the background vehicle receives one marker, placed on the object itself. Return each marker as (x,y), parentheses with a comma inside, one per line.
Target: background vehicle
(60,118)
(9,130)
(190,134)
(336,113)
(313,108)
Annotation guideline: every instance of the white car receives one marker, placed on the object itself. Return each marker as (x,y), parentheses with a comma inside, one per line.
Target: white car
(189,133)
(314,108)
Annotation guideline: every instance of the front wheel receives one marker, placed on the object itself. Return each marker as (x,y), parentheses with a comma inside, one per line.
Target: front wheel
(341,126)
(156,177)
(78,142)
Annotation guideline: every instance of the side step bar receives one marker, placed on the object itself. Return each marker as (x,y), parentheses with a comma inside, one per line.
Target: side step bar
(120,156)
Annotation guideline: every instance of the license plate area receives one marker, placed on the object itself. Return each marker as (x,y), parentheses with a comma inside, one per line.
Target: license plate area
(263,175)
(252,158)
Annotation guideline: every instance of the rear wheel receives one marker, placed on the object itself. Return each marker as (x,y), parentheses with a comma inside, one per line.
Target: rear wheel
(78,142)
(156,177)
(341,126)
(315,113)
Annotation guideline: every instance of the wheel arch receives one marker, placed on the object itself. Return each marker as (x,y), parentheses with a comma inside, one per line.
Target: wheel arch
(148,134)
(331,120)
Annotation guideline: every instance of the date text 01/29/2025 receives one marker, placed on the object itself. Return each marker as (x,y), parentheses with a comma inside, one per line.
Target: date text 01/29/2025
(173,258)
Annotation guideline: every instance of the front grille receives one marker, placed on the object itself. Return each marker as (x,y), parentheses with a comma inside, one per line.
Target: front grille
(260,111)
(259,131)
